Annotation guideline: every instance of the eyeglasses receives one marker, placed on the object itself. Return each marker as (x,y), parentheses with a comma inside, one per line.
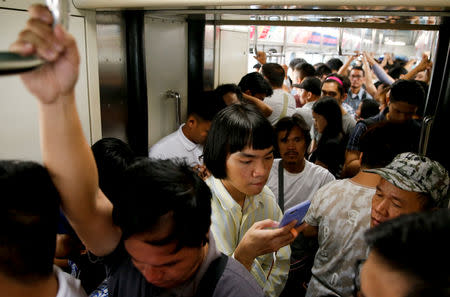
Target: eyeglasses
(355,76)
(357,278)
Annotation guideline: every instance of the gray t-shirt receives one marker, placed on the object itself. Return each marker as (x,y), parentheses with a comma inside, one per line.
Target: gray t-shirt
(341,211)
(125,280)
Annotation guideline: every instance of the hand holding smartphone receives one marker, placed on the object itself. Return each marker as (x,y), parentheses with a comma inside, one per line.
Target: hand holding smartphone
(296,212)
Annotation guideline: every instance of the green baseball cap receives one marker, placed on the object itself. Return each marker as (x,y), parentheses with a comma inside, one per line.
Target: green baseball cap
(414,173)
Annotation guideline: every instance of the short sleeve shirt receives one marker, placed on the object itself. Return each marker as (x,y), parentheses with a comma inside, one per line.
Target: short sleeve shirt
(341,211)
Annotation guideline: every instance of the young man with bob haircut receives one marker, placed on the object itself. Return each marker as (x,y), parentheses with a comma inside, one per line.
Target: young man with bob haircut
(156,240)
(239,155)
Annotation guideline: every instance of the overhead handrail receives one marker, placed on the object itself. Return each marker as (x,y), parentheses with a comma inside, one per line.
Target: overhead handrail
(11,63)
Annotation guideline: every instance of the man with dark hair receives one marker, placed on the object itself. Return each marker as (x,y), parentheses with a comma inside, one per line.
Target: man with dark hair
(301,177)
(356,92)
(309,93)
(112,157)
(281,102)
(293,179)
(322,71)
(404,255)
(187,142)
(230,93)
(255,89)
(29,216)
(239,155)
(303,71)
(404,99)
(335,64)
(255,85)
(156,239)
(340,213)
(294,62)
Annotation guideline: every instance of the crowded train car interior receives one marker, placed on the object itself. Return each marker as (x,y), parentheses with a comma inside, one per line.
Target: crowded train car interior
(145,69)
(142,61)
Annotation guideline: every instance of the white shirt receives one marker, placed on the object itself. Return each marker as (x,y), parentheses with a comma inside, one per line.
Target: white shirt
(68,286)
(306,112)
(299,187)
(276,102)
(177,145)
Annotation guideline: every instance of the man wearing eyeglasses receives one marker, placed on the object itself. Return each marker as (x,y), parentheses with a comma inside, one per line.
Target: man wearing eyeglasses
(357,92)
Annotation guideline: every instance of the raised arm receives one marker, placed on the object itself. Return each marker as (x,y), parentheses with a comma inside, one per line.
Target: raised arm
(265,109)
(66,153)
(378,70)
(424,64)
(370,87)
(344,68)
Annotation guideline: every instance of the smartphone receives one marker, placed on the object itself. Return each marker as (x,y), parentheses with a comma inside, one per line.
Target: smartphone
(296,212)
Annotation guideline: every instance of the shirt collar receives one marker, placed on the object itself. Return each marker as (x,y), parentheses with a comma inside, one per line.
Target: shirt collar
(188,145)
(227,202)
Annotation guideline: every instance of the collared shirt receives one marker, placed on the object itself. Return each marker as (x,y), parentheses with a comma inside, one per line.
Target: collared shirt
(177,145)
(354,99)
(230,222)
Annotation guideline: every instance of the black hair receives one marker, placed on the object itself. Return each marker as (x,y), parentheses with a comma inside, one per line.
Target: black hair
(409,91)
(335,64)
(257,66)
(206,105)
(358,68)
(287,124)
(274,73)
(28,221)
(369,108)
(256,84)
(295,62)
(322,70)
(152,188)
(342,88)
(224,89)
(112,156)
(385,140)
(305,70)
(234,128)
(328,107)
(415,245)
(396,71)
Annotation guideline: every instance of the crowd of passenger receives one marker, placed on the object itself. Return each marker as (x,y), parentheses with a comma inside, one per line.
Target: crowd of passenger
(199,216)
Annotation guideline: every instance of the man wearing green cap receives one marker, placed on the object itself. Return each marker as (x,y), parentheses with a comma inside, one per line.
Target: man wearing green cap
(410,183)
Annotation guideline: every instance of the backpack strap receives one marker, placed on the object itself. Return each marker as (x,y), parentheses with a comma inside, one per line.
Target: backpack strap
(285,106)
(211,277)
(281,185)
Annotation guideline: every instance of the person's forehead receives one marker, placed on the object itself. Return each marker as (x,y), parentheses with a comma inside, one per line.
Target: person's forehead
(395,192)
(330,86)
(294,132)
(249,151)
(356,71)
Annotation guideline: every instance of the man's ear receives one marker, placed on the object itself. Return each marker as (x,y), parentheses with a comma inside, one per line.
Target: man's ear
(191,121)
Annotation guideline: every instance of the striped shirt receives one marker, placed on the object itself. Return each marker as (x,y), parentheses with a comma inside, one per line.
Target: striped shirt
(230,222)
